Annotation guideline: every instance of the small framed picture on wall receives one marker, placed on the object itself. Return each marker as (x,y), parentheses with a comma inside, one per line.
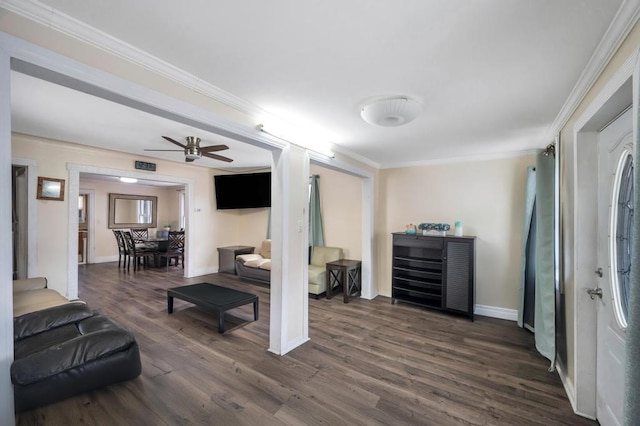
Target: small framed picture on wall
(50,189)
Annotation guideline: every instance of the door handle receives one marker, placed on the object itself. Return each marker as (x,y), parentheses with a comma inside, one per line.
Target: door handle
(594,292)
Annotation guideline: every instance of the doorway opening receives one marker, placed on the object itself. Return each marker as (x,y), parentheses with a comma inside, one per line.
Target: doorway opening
(83,227)
(19,222)
(610,104)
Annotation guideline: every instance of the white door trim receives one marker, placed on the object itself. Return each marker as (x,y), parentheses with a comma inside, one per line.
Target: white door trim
(582,393)
(91,219)
(74,191)
(7,416)
(32,214)
(369,290)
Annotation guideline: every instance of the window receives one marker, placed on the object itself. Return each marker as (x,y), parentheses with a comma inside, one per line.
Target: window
(622,229)
(181,213)
(144,211)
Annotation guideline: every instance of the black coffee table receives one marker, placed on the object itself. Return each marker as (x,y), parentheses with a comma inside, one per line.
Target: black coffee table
(214,298)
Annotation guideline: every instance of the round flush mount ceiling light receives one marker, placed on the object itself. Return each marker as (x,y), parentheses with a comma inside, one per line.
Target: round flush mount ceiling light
(128,180)
(391,111)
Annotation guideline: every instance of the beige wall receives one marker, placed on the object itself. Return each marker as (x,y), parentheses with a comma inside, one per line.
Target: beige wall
(106,249)
(341,206)
(214,228)
(251,227)
(247,227)
(341,203)
(487,196)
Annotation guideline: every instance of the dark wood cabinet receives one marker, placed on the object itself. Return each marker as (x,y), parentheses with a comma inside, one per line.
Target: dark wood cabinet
(434,272)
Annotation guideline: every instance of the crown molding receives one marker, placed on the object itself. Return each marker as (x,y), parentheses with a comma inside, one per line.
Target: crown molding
(465,159)
(50,17)
(624,20)
(620,27)
(348,153)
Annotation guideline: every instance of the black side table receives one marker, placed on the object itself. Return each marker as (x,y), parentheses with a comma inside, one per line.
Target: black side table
(345,273)
(227,257)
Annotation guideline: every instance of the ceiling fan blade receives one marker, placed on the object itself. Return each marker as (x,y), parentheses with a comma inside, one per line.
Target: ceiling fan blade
(216,157)
(168,150)
(174,142)
(213,148)
(188,160)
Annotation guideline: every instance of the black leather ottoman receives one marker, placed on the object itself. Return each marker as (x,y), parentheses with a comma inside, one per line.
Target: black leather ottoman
(66,350)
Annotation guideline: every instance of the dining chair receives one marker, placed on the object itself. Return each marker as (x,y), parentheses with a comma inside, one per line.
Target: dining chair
(175,248)
(137,253)
(140,235)
(123,253)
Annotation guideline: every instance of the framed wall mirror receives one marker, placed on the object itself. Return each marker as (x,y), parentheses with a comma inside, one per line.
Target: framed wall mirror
(132,211)
(50,189)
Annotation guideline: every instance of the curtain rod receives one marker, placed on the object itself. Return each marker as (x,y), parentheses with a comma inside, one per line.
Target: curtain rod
(550,150)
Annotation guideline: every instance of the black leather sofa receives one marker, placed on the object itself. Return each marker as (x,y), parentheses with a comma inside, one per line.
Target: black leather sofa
(66,350)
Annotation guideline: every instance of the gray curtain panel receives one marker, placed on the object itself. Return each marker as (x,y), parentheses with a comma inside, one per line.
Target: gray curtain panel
(316,228)
(632,367)
(530,198)
(545,307)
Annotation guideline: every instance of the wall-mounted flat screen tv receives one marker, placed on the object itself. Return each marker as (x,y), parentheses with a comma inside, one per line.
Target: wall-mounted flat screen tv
(243,191)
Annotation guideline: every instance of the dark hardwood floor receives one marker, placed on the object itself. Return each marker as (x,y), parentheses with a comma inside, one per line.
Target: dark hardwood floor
(368,363)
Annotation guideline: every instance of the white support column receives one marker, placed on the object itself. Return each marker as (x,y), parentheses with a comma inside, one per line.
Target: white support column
(289,267)
(72,242)
(368,208)
(6,285)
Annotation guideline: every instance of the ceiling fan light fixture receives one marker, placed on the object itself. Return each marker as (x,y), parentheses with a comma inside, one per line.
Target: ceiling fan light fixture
(192,156)
(391,112)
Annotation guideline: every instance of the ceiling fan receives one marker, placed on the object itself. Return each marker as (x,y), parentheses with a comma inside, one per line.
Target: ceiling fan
(192,150)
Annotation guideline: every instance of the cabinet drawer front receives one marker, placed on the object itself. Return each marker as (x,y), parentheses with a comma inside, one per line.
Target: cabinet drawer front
(417,241)
(459,276)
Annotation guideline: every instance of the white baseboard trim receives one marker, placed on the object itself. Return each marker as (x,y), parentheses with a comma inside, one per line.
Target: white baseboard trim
(105,259)
(290,346)
(496,312)
(568,387)
(570,391)
(204,271)
(197,273)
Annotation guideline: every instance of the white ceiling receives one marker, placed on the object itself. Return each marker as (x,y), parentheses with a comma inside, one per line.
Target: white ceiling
(49,110)
(491,75)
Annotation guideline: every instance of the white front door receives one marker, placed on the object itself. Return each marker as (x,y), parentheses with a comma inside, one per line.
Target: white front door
(615,208)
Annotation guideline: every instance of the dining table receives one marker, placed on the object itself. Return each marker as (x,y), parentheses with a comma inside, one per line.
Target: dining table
(158,245)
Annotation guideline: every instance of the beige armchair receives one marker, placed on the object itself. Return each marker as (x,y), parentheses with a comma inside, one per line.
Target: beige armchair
(32,294)
(317,268)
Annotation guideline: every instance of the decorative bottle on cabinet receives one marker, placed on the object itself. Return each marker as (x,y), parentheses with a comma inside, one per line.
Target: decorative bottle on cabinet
(434,272)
